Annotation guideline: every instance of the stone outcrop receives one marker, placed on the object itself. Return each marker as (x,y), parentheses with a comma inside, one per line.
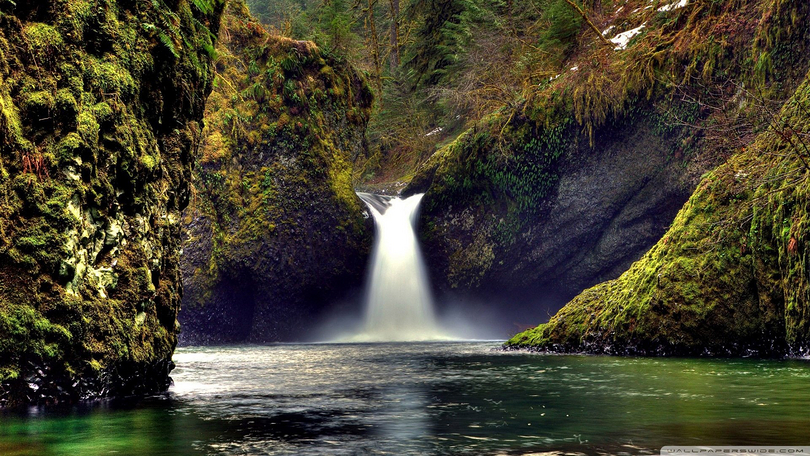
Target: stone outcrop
(275,234)
(567,188)
(730,276)
(101,105)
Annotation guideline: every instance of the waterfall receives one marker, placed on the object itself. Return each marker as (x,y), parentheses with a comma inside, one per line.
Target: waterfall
(399,306)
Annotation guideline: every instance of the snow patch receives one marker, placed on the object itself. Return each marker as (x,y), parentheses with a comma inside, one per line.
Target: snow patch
(673,6)
(435,131)
(623,38)
(574,68)
(608,30)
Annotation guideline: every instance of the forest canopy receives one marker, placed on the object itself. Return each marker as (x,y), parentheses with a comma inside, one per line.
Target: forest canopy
(437,66)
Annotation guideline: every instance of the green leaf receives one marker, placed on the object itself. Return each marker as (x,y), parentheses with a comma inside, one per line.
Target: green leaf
(167,41)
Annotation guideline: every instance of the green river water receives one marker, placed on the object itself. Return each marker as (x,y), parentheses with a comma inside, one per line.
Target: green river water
(429,398)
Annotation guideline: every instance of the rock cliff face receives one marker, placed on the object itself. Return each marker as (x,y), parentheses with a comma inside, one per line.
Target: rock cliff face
(100,107)
(729,278)
(586,212)
(275,232)
(567,188)
(730,275)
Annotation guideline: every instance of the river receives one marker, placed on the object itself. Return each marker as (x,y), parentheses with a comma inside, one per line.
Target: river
(429,398)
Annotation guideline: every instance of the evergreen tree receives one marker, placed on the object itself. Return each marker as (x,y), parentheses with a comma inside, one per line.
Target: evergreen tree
(335,28)
(564,24)
(443,31)
(280,15)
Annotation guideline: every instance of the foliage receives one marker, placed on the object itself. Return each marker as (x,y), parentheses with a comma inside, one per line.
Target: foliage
(564,24)
(451,62)
(441,37)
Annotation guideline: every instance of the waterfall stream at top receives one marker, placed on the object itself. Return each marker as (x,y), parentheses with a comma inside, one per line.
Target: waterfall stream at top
(399,306)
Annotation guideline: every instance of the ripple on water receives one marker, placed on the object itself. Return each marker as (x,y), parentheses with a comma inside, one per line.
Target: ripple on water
(431,398)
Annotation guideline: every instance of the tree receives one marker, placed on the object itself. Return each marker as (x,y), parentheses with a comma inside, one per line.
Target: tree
(336,25)
(374,42)
(394,60)
(441,35)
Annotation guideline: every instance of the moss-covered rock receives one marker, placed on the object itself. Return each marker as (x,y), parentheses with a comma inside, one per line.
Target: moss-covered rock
(528,209)
(730,277)
(89,235)
(571,185)
(275,232)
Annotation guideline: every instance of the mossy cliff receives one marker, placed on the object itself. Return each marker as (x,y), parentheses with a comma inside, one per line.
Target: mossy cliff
(275,231)
(518,208)
(569,186)
(100,106)
(730,277)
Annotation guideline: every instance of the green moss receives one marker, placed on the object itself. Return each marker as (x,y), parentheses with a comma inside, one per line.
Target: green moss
(109,77)
(68,146)
(10,122)
(28,333)
(102,112)
(43,39)
(728,278)
(79,14)
(66,103)
(149,162)
(87,127)
(38,103)
(83,95)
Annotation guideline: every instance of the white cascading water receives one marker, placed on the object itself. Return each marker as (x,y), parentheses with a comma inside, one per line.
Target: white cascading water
(399,306)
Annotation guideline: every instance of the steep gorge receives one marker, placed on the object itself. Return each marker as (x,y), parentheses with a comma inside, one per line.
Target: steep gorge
(101,108)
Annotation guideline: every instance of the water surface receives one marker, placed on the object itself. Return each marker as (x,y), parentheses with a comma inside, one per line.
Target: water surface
(429,398)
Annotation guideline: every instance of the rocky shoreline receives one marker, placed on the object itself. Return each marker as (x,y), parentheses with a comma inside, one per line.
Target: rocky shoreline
(42,387)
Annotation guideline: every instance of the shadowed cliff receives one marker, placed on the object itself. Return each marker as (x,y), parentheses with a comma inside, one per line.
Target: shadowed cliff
(101,105)
(275,232)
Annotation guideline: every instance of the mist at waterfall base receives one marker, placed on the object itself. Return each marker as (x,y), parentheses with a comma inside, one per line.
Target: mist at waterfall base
(398,305)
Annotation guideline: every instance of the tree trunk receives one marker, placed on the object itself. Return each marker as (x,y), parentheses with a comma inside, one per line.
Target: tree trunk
(375,44)
(394,61)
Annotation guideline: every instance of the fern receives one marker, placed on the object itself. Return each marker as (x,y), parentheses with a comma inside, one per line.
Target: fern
(167,41)
(211,51)
(205,6)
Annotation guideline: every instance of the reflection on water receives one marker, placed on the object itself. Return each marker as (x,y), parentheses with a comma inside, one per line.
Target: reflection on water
(429,398)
